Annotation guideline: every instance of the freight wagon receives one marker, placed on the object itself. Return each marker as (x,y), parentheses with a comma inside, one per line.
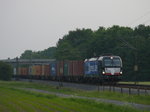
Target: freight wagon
(103,68)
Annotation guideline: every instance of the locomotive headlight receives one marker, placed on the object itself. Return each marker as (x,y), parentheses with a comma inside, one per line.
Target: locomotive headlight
(121,72)
(103,72)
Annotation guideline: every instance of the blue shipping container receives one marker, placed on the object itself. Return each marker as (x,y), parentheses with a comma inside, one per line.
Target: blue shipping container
(91,68)
(53,68)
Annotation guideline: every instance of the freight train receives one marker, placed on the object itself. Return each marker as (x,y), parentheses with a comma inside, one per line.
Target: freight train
(98,69)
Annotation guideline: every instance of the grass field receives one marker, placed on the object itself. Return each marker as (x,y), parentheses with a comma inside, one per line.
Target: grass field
(142,99)
(13,99)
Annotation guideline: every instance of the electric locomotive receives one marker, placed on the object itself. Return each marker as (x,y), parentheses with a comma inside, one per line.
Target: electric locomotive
(103,68)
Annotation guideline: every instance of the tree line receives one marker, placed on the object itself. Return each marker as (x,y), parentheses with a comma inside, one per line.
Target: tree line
(132,44)
(6,71)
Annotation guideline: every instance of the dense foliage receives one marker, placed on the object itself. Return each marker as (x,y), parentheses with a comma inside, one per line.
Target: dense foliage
(5,71)
(133,45)
(47,54)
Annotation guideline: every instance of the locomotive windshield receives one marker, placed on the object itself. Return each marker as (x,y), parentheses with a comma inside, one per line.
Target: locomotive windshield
(112,62)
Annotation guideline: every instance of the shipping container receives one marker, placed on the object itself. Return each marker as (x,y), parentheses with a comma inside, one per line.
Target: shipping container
(81,68)
(60,68)
(43,70)
(53,69)
(66,68)
(38,69)
(23,71)
(47,70)
(33,70)
(30,70)
(70,68)
(77,68)
(19,71)
(91,67)
(15,71)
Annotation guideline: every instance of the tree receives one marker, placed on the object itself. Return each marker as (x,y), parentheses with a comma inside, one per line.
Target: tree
(27,54)
(6,71)
(45,54)
(74,45)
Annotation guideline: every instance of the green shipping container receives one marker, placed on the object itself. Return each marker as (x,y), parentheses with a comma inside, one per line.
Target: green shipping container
(66,70)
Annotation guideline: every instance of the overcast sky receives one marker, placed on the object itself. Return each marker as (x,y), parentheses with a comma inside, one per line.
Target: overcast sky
(38,24)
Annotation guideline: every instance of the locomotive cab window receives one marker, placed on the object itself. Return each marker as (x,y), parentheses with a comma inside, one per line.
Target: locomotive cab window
(107,62)
(112,62)
(116,62)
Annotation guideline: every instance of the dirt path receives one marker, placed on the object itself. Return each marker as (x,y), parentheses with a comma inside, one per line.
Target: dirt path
(134,105)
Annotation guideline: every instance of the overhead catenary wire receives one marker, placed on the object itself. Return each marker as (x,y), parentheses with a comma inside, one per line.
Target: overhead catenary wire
(139,18)
(125,43)
(146,21)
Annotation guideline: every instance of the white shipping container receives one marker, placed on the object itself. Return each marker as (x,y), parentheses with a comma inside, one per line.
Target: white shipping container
(15,71)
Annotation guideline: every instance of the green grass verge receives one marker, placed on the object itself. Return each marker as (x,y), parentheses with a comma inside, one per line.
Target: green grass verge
(141,99)
(14,100)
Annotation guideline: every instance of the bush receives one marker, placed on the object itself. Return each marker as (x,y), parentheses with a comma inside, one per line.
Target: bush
(6,71)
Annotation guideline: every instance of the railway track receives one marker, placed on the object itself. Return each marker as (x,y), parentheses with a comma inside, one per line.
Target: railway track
(122,88)
(133,86)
